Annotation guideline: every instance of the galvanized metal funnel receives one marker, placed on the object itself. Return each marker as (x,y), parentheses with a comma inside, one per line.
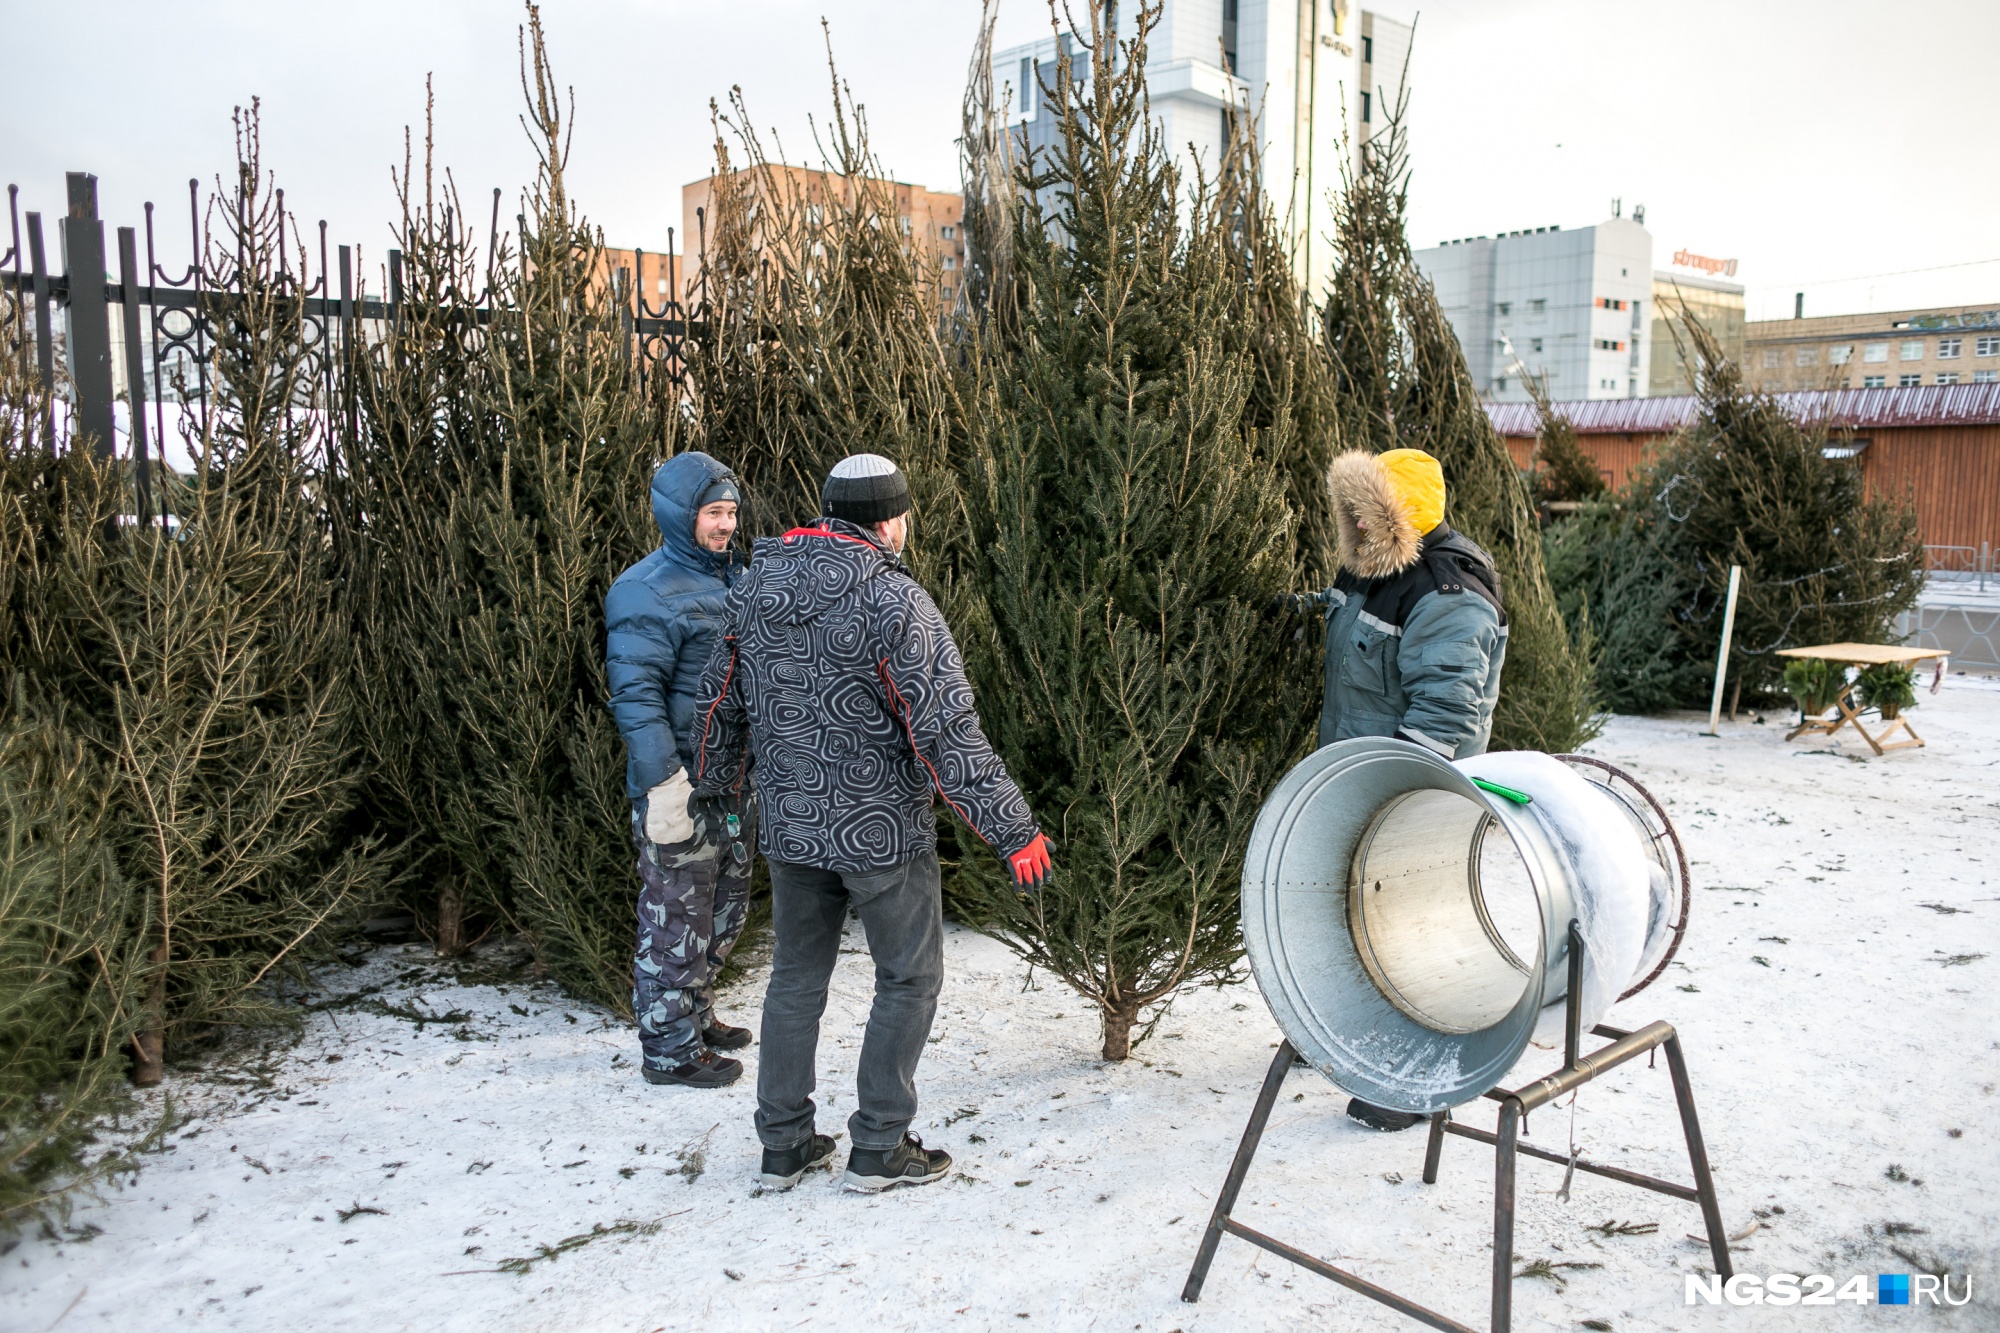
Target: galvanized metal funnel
(1410,929)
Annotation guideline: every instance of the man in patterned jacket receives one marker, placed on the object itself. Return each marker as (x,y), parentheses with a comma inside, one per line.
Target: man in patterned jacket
(839,691)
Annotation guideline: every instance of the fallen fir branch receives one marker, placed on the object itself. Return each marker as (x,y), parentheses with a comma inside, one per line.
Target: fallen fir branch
(1551,1269)
(1609,1228)
(598,1231)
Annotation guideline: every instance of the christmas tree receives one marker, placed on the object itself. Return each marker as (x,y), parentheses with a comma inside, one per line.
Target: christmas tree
(1747,484)
(1127,539)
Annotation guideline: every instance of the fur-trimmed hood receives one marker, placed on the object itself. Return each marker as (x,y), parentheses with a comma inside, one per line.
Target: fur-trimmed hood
(1373,523)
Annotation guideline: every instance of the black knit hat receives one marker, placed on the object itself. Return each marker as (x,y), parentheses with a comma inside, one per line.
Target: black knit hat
(865,488)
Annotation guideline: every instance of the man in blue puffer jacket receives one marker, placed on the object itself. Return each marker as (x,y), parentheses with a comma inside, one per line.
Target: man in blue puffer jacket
(664,616)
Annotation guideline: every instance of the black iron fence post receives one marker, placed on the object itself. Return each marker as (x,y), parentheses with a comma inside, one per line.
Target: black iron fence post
(89,315)
(135,371)
(45,356)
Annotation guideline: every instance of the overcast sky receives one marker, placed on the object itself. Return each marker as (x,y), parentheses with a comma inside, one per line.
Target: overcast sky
(1820,142)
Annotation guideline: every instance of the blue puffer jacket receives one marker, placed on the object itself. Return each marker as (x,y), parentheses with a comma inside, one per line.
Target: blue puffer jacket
(664,617)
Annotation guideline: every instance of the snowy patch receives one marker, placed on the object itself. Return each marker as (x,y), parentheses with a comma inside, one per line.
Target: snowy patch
(438,1155)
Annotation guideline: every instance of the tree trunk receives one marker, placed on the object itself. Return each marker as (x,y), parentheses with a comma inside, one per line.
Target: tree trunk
(149,1044)
(1118,1031)
(451,922)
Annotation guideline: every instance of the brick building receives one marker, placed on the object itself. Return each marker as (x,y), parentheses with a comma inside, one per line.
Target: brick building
(930,219)
(1902,349)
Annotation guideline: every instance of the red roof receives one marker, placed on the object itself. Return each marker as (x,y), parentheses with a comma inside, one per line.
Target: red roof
(1924,405)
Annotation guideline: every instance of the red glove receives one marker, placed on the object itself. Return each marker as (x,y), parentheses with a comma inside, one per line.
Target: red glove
(1031,864)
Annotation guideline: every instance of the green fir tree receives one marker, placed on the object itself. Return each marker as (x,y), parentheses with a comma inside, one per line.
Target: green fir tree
(1127,539)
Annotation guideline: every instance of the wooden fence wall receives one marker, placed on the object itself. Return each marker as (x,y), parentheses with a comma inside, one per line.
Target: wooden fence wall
(1952,472)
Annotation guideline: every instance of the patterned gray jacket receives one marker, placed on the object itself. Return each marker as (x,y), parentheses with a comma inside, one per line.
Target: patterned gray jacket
(838,686)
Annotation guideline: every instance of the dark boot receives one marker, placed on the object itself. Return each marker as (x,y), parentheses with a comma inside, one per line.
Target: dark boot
(720,1036)
(908,1163)
(706,1070)
(784,1166)
(1381,1117)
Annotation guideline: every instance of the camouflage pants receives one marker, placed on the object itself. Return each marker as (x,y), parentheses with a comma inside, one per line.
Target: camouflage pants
(693,896)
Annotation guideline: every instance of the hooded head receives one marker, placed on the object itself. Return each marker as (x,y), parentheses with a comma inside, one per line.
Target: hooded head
(681,486)
(1383,506)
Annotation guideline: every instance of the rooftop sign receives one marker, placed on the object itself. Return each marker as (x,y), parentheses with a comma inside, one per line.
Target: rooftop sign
(1689,259)
(1970,319)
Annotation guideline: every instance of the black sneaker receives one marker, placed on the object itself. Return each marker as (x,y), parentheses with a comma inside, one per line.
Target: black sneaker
(719,1036)
(784,1166)
(1382,1118)
(706,1070)
(908,1163)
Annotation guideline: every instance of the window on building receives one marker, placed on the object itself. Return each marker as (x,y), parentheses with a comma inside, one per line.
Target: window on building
(1986,377)
(947,232)
(1535,344)
(1772,357)
(1805,356)
(950,261)
(1500,385)
(1505,307)
(1987,345)
(1875,352)
(663,284)
(1367,43)
(1874,381)
(1908,381)
(1837,356)
(1366,101)
(1946,379)
(1948,348)
(1912,350)
(1540,306)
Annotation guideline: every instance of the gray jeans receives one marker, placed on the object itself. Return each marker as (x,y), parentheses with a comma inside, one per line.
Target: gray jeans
(903,916)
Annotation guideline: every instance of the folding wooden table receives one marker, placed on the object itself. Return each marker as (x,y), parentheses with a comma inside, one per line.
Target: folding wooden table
(1861,655)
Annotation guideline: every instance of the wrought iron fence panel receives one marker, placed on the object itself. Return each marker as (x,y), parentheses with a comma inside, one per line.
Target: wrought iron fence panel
(168,324)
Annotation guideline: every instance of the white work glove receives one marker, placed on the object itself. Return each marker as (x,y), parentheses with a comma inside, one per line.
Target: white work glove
(667,818)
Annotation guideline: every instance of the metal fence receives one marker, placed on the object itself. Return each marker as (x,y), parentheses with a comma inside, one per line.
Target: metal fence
(155,356)
(1963,564)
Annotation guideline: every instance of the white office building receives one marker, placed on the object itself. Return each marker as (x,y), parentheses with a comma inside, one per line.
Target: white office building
(1572,306)
(1318,75)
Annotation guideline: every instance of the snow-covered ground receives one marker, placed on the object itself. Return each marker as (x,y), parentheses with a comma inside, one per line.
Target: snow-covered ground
(469,1151)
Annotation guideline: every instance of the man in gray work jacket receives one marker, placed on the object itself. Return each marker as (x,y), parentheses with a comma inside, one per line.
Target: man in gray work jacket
(1415,630)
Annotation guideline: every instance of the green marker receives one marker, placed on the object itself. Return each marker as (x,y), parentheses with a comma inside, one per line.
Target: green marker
(1517,797)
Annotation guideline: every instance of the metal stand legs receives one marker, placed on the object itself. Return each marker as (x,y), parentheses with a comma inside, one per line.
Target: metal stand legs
(1578,1069)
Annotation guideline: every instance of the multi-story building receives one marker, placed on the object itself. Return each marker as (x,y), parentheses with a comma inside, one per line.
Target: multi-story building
(1716,302)
(1319,77)
(1902,349)
(1569,307)
(932,221)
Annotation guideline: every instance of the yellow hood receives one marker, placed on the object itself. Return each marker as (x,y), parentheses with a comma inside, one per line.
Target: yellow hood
(1383,504)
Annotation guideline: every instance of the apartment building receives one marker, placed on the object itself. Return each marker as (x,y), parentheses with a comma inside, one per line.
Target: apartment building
(1569,307)
(1901,349)
(933,222)
(1320,77)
